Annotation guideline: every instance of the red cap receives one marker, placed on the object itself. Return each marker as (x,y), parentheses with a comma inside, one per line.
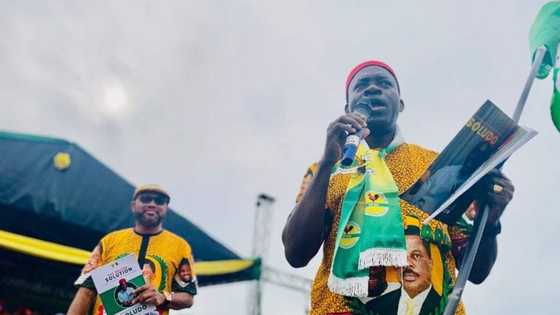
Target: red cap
(369,63)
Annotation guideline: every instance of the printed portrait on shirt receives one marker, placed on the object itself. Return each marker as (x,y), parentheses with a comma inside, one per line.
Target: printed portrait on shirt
(184,274)
(423,284)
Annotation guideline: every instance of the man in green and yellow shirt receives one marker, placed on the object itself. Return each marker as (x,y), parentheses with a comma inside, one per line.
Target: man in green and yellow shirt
(163,257)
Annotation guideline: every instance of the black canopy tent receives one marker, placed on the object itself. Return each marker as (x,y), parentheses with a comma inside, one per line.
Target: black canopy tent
(56,201)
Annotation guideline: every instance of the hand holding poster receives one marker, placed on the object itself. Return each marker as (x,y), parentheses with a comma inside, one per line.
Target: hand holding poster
(487,139)
(116,282)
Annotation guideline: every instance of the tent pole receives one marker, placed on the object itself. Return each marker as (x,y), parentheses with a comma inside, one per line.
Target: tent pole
(261,233)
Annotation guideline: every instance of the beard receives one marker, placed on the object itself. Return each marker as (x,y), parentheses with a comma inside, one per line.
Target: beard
(147,221)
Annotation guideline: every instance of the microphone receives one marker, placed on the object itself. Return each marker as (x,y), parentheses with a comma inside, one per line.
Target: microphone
(353,140)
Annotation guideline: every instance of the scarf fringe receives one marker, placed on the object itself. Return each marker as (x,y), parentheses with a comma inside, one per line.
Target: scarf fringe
(356,287)
(396,257)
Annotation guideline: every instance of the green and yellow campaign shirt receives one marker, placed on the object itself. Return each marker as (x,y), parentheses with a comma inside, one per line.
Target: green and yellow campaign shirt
(165,259)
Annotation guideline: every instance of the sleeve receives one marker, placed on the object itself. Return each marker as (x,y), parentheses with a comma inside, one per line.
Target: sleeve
(307,178)
(95,260)
(185,278)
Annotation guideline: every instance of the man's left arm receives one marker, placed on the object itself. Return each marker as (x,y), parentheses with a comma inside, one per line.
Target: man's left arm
(495,191)
(184,285)
(147,294)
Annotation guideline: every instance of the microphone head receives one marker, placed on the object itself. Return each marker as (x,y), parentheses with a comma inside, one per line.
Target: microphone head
(362,111)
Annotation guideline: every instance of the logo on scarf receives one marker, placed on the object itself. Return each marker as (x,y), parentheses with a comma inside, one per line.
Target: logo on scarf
(376,205)
(351,235)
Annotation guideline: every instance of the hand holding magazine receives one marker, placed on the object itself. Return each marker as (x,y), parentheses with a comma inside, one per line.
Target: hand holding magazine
(486,140)
(116,281)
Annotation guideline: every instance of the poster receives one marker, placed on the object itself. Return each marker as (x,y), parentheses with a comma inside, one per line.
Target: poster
(115,283)
(486,140)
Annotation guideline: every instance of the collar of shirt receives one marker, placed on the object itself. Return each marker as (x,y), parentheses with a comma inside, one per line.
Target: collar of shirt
(417,301)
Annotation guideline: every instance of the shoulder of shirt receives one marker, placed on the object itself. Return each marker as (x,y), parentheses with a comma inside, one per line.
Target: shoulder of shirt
(117,234)
(312,169)
(411,148)
(415,148)
(415,152)
(176,238)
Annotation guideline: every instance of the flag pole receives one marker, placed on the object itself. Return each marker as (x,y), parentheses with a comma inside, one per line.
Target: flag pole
(468,261)
(539,55)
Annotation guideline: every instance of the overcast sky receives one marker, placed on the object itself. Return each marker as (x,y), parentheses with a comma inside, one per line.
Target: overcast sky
(222,100)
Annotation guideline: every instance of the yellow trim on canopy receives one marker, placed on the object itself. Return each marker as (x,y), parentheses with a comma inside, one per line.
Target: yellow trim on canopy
(218,267)
(43,249)
(72,255)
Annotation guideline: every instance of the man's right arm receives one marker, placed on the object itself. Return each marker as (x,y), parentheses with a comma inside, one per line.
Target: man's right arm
(83,300)
(86,294)
(305,229)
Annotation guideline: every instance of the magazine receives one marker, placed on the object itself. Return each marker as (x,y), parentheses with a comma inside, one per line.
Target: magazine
(115,283)
(488,138)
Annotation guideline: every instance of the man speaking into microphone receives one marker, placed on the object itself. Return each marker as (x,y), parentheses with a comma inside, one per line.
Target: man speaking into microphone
(349,204)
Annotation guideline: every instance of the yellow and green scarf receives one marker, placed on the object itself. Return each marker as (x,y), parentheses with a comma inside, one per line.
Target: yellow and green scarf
(370,231)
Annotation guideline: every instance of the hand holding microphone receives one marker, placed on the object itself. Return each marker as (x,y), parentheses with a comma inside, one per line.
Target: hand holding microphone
(353,140)
(343,136)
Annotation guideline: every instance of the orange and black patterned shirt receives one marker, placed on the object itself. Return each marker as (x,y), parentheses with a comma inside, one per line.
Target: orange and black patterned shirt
(407,163)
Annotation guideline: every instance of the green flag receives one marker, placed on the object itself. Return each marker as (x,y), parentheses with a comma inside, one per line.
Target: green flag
(545,31)
(555,104)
